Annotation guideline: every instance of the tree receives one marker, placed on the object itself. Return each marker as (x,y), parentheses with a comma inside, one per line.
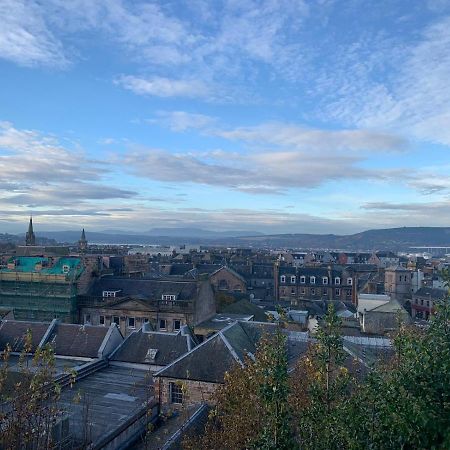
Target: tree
(28,398)
(251,407)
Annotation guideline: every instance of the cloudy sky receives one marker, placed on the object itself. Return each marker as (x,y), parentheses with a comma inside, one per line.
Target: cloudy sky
(269,115)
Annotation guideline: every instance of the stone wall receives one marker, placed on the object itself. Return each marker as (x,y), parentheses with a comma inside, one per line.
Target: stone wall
(193,392)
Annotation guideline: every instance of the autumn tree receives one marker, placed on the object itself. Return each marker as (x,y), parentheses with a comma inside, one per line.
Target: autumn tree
(28,396)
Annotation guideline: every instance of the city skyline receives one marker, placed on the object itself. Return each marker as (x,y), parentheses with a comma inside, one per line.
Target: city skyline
(269,116)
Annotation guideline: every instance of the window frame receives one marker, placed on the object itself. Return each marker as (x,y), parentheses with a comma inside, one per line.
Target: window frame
(133,327)
(176,393)
(165,324)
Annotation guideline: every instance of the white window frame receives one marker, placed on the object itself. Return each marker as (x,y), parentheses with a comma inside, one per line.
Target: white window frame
(312,280)
(165,324)
(283,279)
(174,327)
(66,268)
(337,291)
(324,280)
(114,320)
(313,291)
(350,281)
(100,320)
(109,293)
(169,297)
(303,279)
(337,281)
(292,278)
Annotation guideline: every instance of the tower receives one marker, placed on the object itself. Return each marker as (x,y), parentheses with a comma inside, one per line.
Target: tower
(30,238)
(83,243)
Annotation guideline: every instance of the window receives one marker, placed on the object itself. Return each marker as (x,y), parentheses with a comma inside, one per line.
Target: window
(87,318)
(313,291)
(101,320)
(176,325)
(303,279)
(293,279)
(293,291)
(283,279)
(337,280)
(65,268)
(324,280)
(421,302)
(428,302)
(325,292)
(312,280)
(176,393)
(110,293)
(337,292)
(162,324)
(349,293)
(131,322)
(168,297)
(350,281)
(302,291)
(116,320)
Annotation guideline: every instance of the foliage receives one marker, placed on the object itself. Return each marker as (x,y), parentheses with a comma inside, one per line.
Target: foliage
(325,403)
(28,398)
(251,407)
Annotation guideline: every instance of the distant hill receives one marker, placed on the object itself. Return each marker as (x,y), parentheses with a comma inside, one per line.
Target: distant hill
(386,239)
(396,239)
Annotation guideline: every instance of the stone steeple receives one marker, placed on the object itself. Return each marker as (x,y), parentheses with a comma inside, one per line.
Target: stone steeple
(83,243)
(30,238)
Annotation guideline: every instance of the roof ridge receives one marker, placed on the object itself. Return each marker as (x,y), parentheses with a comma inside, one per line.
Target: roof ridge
(214,336)
(230,347)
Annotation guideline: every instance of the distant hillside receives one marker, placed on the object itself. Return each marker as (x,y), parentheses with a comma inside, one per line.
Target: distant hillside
(396,239)
(388,239)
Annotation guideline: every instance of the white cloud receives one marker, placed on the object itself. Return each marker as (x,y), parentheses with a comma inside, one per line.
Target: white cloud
(163,87)
(39,171)
(25,37)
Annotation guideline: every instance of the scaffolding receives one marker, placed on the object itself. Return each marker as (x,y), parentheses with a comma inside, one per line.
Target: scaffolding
(38,296)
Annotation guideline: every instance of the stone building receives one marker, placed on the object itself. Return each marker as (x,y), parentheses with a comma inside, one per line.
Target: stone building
(195,376)
(315,283)
(424,302)
(165,304)
(397,283)
(228,280)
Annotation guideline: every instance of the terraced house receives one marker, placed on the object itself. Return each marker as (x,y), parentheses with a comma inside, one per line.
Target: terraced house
(41,288)
(295,284)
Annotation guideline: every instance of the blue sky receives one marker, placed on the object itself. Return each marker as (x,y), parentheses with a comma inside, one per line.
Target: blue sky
(273,116)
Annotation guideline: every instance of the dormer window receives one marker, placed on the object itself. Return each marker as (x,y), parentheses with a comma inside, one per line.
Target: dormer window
(110,293)
(312,280)
(151,355)
(303,279)
(169,297)
(337,280)
(293,279)
(65,268)
(350,281)
(283,279)
(324,280)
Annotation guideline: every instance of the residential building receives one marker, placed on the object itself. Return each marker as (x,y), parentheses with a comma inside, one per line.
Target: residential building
(424,302)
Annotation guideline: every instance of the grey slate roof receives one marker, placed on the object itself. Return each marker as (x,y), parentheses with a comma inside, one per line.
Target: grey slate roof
(138,345)
(77,340)
(144,288)
(210,360)
(13,332)
(433,293)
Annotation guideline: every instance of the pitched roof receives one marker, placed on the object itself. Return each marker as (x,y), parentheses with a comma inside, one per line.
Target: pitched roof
(152,289)
(77,340)
(211,359)
(433,293)
(13,332)
(232,271)
(153,347)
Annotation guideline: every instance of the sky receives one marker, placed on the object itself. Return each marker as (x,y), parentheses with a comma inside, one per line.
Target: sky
(276,116)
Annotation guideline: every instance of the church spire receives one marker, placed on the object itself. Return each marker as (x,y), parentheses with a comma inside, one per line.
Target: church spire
(83,243)
(30,238)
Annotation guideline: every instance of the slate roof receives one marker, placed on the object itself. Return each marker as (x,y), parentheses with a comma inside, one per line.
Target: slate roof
(145,288)
(211,359)
(232,271)
(13,332)
(77,340)
(138,345)
(434,293)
